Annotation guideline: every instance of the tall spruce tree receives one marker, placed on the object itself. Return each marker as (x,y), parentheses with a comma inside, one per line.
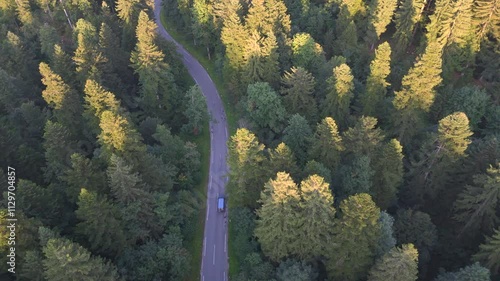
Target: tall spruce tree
(399,264)
(489,252)
(326,145)
(339,95)
(376,83)
(407,16)
(298,88)
(277,223)
(356,235)
(297,135)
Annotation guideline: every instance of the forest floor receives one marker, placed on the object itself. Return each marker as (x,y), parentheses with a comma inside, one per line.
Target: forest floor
(203,142)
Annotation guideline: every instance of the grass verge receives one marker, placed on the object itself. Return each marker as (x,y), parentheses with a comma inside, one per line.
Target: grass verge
(232,118)
(195,243)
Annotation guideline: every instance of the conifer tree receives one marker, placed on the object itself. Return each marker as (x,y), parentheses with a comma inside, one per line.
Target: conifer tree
(381,13)
(417,93)
(245,159)
(128,11)
(61,98)
(306,52)
(486,18)
(126,186)
(400,264)
(339,95)
(196,111)
(376,83)
(62,64)
(364,138)
(476,206)
(473,272)
(356,177)
(408,15)
(65,260)
(356,236)
(118,135)
(59,146)
(98,100)
(202,23)
(298,87)
(87,57)
(100,223)
(489,252)
(281,159)
(386,240)
(316,218)
(431,166)
(276,226)
(148,61)
(297,135)
(388,167)
(327,144)
(260,59)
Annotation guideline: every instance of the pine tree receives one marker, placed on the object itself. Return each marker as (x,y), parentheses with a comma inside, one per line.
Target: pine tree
(297,135)
(340,94)
(408,15)
(386,240)
(196,111)
(61,98)
(400,264)
(276,226)
(432,166)
(381,13)
(298,88)
(245,159)
(376,83)
(473,272)
(417,93)
(327,144)
(83,173)
(100,223)
(476,206)
(356,177)
(486,18)
(98,100)
(281,159)
(316,218)
(261,59)
(417,228)
(65,260)
(356,236)
(62,64)
(59,146)
(306,53)
(148,61)
(128,11)
(388,167)
(126,186)
(364,138)
(118,135)
(87,57)
(202,23)
(489,252)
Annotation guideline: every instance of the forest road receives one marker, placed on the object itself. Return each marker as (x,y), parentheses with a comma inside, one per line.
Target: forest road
(214,264)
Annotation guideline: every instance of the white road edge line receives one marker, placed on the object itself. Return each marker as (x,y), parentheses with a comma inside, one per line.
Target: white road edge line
(225,242)
(204,246)
(224,275)
(226,132)
(208,208)
(214,255)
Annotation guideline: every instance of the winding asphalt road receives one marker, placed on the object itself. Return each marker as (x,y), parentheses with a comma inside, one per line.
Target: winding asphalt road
(214,264)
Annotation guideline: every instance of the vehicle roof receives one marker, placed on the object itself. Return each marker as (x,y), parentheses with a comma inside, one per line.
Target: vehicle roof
(220,203)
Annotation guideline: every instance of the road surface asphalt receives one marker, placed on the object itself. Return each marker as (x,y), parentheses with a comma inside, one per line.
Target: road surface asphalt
(214,264)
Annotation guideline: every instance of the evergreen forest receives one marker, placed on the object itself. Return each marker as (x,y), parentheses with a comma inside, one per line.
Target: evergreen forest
(364,139)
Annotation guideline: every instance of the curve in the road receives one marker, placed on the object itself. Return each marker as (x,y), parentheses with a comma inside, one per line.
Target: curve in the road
(214,264)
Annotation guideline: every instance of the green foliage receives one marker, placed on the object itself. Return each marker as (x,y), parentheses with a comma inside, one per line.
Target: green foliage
(264,107)
(298,88)
(327,144)
(196,111)
(417,228)
(381,13)
(399,264)
(356,235)
(297,135)
(407,15)
(316,168)
(277,223)
(306,53)
(476,206)
(473,272)
(281,159)
(388,168)
(386,241)
(489,254)
(364,138)
(245,159)
(470,100)
(376,83)
(292,270)
(65,260)
(339,95)
(357,177)
(100,223)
